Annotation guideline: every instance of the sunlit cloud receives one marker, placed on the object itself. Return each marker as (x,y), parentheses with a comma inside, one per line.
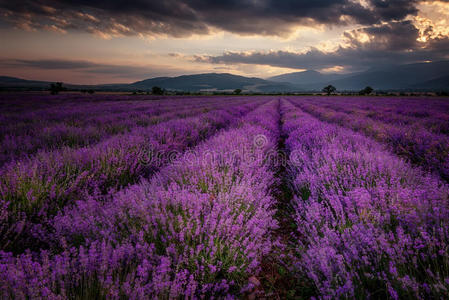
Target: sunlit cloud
(432,21)
(362,48)
(335,69)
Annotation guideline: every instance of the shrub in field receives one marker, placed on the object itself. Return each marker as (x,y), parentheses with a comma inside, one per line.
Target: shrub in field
(155,90)
(329,89)
(366,91)
(57,87)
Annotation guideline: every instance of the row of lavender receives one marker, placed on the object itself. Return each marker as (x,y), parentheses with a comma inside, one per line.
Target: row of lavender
(430,113)
(414,142)
(76,124)
(26,102)
(198,228)
(35,189)
(369,224)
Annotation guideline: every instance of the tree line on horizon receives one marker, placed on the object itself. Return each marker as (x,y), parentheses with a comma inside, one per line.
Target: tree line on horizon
(57,87)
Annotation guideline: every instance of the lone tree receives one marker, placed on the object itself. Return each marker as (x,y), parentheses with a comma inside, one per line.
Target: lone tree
(57,87)
(366,91)
(237,91)
(155,90)
(329,89)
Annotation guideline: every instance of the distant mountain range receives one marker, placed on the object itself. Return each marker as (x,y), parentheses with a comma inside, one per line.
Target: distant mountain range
(306,78)
(213,82)
(419,76)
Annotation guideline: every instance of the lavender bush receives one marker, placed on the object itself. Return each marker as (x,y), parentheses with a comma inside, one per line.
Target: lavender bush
(369,224)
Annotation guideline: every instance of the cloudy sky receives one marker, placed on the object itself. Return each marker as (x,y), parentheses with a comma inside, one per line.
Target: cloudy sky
(110,41)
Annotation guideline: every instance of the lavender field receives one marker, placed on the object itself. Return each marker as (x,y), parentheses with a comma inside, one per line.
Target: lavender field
(275,197)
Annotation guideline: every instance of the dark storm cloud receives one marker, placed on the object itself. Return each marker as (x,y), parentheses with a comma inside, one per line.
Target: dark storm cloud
(77,65)
(394,36)
(186,17)
(392,43)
